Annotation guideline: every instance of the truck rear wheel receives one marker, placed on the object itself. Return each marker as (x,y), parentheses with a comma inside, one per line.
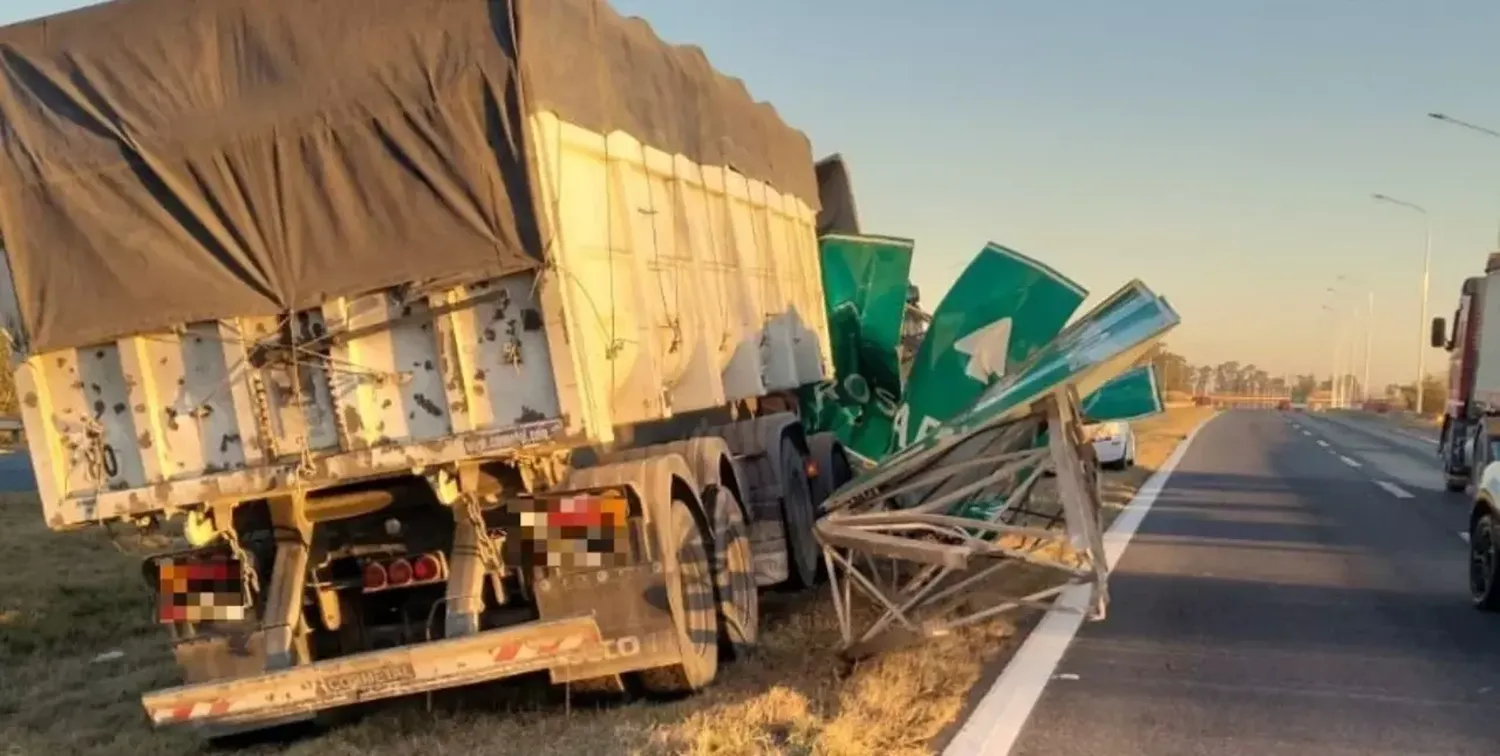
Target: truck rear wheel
(1449,452)
(690,596)
(834,469)
(734,573)
(1484,563)
(797,517)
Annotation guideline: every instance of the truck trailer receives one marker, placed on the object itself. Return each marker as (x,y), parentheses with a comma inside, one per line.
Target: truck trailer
(458,339)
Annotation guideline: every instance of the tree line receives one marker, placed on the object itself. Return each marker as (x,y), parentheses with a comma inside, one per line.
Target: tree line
(1178,376)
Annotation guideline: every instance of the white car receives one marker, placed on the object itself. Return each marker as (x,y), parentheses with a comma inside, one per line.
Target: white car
(1114,444)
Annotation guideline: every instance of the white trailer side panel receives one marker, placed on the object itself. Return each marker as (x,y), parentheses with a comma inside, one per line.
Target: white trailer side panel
(1487,343)
(669,287)
(376,385)
(684,286)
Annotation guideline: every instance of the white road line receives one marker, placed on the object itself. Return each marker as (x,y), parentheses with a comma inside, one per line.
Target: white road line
(1409,434)
(1396,491)
(1462,536)
(1307,433)
(1349,462)
(1322,443)
(996,722)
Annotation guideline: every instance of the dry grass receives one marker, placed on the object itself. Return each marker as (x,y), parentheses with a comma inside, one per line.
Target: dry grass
(67,598)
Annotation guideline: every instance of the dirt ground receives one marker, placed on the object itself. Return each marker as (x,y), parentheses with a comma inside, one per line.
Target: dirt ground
(77,648)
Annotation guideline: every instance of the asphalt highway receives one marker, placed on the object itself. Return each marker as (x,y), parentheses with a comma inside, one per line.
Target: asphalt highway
(1299,587)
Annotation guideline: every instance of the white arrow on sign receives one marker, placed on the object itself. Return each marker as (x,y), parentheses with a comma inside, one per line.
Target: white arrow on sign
(986,347)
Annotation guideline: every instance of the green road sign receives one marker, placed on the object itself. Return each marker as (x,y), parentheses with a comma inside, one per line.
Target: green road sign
(1001,310)
(1133,395)
(864,284)
(1091,352)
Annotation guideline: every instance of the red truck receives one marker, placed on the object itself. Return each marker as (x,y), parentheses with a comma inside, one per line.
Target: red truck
(1472,341)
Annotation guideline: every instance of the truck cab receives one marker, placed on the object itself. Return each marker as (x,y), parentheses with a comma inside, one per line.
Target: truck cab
(1463,339)
(1469,444)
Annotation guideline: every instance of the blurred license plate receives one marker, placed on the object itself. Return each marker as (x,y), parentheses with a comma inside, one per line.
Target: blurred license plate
(582,530)
(200,590)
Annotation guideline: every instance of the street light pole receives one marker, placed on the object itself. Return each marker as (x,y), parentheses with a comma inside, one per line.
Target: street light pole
(1422,327)
(1426,276)
(1333,373)
(1445,118)
(1369,334)
(1364,387)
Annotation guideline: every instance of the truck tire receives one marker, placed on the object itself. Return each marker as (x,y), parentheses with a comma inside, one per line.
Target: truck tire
(734,573)
(1448,448)
(834,469)
(690,596)
(797,514)
(1484,563)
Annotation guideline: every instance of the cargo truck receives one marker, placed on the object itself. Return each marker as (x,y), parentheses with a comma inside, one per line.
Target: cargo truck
(457,338)
(1473,378)
(1469,443)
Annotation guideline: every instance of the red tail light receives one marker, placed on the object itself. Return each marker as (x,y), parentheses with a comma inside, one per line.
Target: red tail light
(425,568)
(399,572)
(402,572)
(375,576)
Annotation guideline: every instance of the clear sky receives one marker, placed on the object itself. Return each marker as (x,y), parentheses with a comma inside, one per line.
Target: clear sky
(1223,152)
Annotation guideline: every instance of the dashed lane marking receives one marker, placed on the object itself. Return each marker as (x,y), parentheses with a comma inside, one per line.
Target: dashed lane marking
(1395,490)
(1349,462)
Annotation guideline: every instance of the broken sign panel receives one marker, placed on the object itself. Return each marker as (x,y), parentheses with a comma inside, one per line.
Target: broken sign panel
(864,288)
(1002,309)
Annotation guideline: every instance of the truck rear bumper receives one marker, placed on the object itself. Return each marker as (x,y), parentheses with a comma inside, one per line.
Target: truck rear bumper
(418,668)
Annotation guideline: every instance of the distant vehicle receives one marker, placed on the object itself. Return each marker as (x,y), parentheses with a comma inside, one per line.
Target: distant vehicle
(1284,404)
(1114,444)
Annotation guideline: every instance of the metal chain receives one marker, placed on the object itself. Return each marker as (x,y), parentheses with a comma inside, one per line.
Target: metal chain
(93,457)
(305,464)
(250,585)
(93,453)
(489,550)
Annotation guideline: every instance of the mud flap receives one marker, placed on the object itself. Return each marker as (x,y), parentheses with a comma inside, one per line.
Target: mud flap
(630,606)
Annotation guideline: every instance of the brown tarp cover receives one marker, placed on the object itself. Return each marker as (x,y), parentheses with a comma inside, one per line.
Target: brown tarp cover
(171,161)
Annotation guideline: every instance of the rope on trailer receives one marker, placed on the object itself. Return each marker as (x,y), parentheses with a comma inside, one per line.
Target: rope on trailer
(674,318)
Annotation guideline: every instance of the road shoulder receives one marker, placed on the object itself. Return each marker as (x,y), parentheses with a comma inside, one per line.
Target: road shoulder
(1010,693)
